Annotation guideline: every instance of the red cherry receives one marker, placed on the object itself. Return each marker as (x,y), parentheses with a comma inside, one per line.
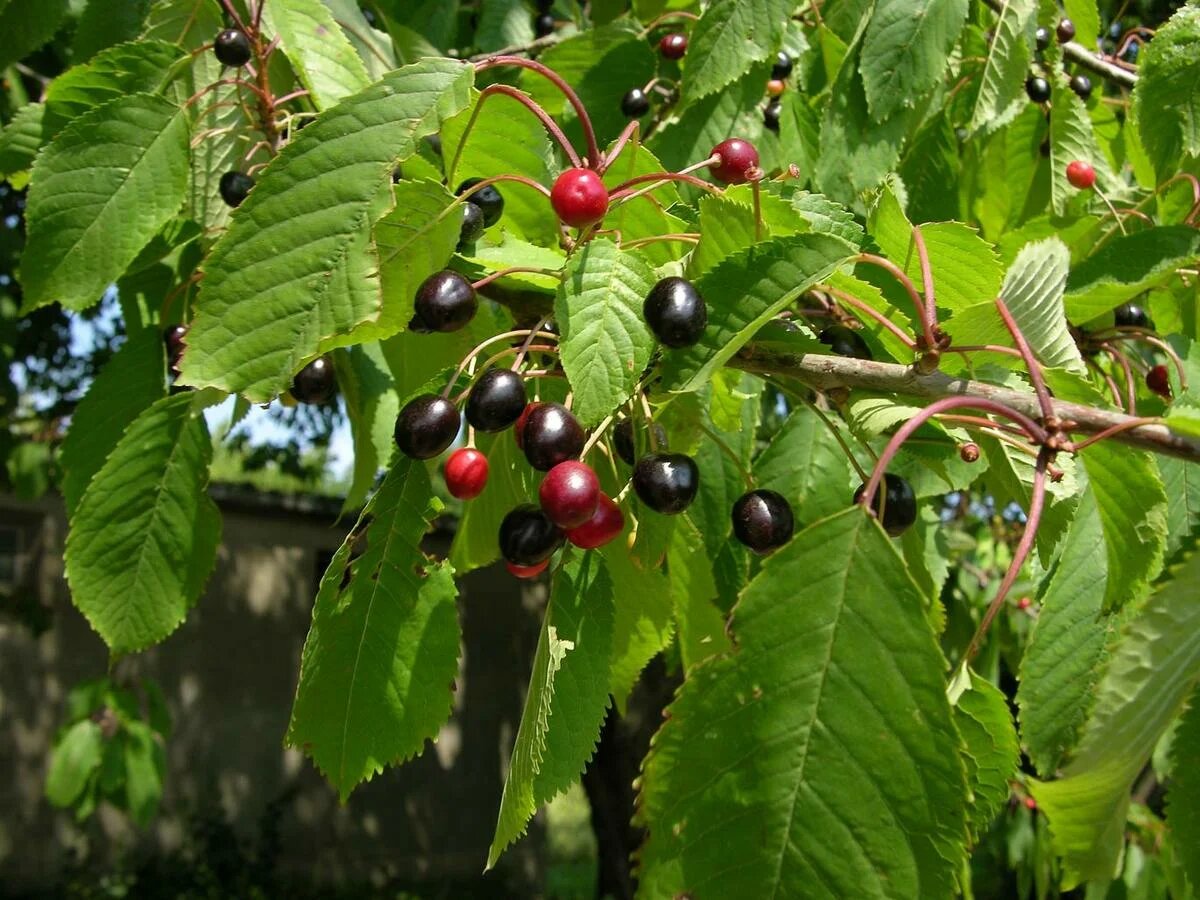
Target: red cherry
(673,46)
(1081,174)
(1024,603)
(775,87)
(466,473)
(579,197)
(569,494)
(519,425)
(1159,381)
(607,522)
(1030,803)
(528,571)
(737,158)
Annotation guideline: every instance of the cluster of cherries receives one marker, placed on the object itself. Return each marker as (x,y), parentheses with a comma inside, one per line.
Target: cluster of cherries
(232,48)
(1037,87)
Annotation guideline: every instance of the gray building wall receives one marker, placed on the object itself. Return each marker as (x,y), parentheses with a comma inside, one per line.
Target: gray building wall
(229,674)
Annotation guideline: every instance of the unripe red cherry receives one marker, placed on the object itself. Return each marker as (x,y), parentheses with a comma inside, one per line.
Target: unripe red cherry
(673,46)
(775,87)
(569,494)
(737,157)
(527,571)
(579,197)
(605,524)
(1080,174)
(1159,381)
(466,473)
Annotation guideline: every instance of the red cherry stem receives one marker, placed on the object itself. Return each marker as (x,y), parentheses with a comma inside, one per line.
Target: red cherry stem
(870,312)
(926,274)
(1031,362)
(756,192)
(614,151)
(585,121)
(528,102)
(1108,379)
(513,270)
(655,22)
(1155,341)
(1037,502)
(624,191)
(981,422)
(1130,385)
(905,431)
(1075,447)
(900,275)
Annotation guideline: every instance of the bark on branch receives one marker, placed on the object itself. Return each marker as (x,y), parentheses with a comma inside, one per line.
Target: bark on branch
(825,372)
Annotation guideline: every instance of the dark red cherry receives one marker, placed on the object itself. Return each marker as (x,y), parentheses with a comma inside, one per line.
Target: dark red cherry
(579,197)
(173,337)
(496,401)
(234,187)
(472,226)
(845,342)
(673,46)
(445,301)
(543,25)
(762,520)
(900,508)
(737,158)
(1065,31)
(772,113)
(625,444)
(466,473)
(569,494)
(675,312)
(527,537)
(635,104)
(605,524)
(783,66)
(1082,86)
(522,419)
(232,47)
(1037,88)
(1130,315)
(1042,38)
(1159,381)
(666,482)
(551,435)
(316,383)
(426,426)
(487,198)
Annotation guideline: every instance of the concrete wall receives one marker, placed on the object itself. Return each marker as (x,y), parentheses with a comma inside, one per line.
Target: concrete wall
(229,674)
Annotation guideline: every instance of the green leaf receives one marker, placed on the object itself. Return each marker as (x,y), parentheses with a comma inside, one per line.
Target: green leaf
(1151,672)
(567,699)
(1061,663)
(1183,795)
(805,463)
(100,192)
(372,405)
(133,380)
(144,535)
(1002,87)
(414,240)
(378,668)
(1072,138)
(648,216)
(22,138)
(992,753)
(1127,266)
(1166,99)
(699,624)
(105,23)
(728,224)
(324,59)
(729,37)
(819,758)
(906,50)
(280,283)
(1181,481)
(745,291)
(373,46)
(642,622)
(25,25)
(1033,291)
(605,343)
(503,23)
(1133,512)
(125,69)
(145,766)
(75,758)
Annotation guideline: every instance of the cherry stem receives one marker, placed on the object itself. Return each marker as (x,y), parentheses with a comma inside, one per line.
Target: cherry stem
(491,361)
(655,22)
(728,451)
(900,275)
(537,329)
(589,133)
(1031,362)
(622,191)
(1195,183)
(659,238)
(926,274)
(1130,385)
(1037,501)
(1075,447)
(756,191)
(525,100)
(232,12)
(1108,379)
(981,422)
(294,95)
(626,135)
(985,348)
(222,82)
(479,348)
(837,435)
(871,312)
(595,436)
(514,270)
(1030,427)
(1112,209)
(1155,341)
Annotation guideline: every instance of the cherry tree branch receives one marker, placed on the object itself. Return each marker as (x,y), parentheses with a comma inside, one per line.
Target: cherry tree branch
(825,372)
